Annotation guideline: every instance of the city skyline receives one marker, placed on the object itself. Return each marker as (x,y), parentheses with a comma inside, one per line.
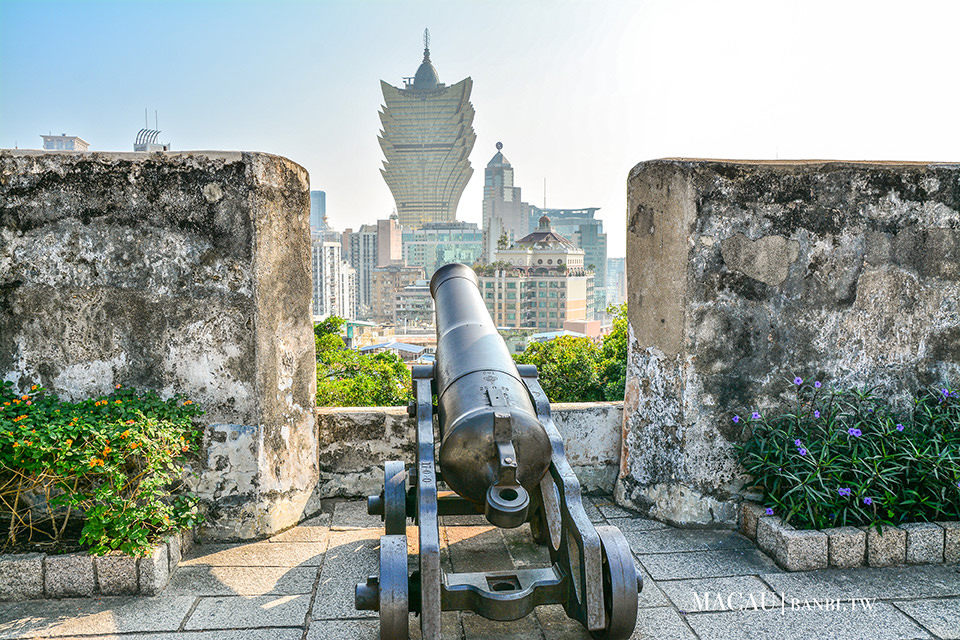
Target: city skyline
(578,92)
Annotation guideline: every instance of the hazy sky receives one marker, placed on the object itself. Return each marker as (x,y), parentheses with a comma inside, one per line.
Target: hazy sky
(577,91)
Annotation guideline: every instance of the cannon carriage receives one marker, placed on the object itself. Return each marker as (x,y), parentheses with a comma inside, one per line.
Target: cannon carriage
(501,455)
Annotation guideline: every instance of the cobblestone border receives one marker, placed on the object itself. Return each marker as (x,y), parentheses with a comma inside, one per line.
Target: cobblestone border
(30,576)
(846,547)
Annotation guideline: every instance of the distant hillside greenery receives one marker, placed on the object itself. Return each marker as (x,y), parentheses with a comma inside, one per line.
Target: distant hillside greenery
(346,378)
(577,369)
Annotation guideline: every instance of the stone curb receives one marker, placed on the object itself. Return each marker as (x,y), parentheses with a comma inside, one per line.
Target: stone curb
(31,576)
(847,547)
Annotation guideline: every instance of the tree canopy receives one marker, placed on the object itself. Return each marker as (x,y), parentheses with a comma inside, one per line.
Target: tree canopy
(576,369)
(346,378)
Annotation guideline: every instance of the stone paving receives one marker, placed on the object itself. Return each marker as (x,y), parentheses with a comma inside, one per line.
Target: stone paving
(706,584)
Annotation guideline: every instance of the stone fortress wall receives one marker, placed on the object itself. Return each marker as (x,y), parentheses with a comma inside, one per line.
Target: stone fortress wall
(745,275)
(190,273)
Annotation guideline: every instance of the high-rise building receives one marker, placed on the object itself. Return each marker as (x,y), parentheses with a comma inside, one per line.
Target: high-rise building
(586,231)
(616,280)
(327,275)
(389,241)
(440,243)
(386,281)
(349,306)
(540,283)
(504,214)
(318,210)
(426,137)
(363,258)
(63,142)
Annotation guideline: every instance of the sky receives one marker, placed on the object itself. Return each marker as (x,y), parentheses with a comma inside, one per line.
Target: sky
(577,91)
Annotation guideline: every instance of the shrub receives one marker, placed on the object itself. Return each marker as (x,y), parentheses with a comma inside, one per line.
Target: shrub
(117,459)
(845,457)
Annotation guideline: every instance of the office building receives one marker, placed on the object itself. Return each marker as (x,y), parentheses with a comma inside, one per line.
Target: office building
(63,142)
(318,210)
(440,243)
(586,231)
(541,283)
(426,137)
(505,216)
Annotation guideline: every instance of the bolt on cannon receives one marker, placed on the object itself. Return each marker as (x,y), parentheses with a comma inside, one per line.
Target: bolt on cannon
(500,455)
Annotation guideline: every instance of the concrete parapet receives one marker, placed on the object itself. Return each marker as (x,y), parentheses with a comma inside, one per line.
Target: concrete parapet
(180,272)
(354,443)
(744,275)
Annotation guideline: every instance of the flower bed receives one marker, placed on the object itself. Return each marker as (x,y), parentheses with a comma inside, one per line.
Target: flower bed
(845,480)
(115,461)
(847,458)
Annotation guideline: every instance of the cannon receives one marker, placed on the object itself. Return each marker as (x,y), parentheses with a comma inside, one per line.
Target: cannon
(500,455)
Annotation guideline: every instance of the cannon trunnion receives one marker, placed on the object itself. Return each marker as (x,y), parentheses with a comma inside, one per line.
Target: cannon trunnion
(501,455)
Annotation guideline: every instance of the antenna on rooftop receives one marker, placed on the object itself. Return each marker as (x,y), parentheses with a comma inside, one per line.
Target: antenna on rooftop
(146,123)
(426,39)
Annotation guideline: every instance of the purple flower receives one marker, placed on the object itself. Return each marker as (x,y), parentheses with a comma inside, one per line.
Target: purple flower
(756,415)
(796,442)
(944,392)
(855,432)
(802,451)
(769,511)
(816,414)
(899,427)
(736,419)
(798,380)
(844,491)
(817,385)
(868,501)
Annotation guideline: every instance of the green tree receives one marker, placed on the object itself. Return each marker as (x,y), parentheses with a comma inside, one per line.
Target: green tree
(346,378)
(577,369)
(568,368)
(613,365)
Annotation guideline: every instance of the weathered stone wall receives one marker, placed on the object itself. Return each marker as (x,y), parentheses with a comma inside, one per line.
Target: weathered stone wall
(355,442)
(180,272)
(743,275)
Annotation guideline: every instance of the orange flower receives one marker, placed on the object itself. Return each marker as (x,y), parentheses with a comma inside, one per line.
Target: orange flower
(185,448)
(69,442)
(33,388)
(16,444)
(118,386)
(29,403)
(29,443)
(93,462)
(125,433)
(134,445)
(129,422)
(106,450)
(119,402)
(187,402)
(24,397)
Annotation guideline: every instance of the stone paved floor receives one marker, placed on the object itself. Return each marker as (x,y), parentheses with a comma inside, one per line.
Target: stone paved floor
(299,586)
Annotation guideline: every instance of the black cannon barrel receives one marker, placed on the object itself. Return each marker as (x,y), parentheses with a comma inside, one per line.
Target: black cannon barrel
(493,449)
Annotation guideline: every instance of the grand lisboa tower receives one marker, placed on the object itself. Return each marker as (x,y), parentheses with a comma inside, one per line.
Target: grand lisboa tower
(426,136)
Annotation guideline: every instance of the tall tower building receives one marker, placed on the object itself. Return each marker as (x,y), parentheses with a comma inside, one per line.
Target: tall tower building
(504,215)
(426,137)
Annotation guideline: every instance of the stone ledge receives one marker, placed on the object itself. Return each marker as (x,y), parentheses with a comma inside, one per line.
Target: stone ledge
(32,576)
(847,547)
